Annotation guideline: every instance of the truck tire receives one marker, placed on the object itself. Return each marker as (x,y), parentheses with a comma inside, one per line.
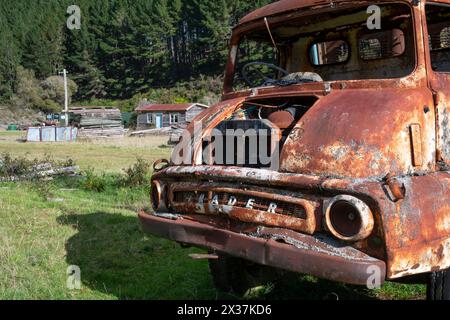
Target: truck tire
(439,285)
(235,275)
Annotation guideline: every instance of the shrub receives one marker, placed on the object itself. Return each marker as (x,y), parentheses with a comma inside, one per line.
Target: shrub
(53,91)
(45,189)
(206,90)
(47,95)
(93,182)
(137,175)
(25,169)
(15,167)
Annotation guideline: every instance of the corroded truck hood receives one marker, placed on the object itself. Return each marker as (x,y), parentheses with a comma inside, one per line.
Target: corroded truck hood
(364,133)
(354,133)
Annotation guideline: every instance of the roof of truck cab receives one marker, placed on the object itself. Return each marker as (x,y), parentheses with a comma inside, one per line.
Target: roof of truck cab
(284,6)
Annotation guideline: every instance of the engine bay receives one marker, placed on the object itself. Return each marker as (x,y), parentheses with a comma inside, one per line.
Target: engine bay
(255,131)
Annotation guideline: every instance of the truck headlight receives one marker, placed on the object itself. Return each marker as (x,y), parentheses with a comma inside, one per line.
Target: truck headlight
(157,196)
(348,218)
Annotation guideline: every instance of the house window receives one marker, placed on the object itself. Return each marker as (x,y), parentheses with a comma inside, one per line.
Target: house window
(149,118)
(174,118)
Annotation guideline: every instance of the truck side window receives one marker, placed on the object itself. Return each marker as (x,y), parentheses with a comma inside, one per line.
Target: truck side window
(382,45)
(329,52)
(438,20)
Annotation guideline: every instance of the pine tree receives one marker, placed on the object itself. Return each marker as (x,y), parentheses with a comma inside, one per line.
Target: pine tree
(124,47)
(79,61)
(9,60)
(43,51)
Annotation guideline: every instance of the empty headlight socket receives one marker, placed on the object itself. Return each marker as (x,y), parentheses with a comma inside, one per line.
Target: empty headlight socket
(348,218)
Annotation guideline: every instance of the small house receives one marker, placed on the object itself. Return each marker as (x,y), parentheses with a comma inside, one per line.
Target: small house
(161,116)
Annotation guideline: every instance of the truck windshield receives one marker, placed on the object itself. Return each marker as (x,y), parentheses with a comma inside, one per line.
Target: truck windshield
(338,44)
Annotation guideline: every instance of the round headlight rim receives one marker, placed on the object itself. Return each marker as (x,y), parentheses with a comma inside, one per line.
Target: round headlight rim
(365,215)
(156,192)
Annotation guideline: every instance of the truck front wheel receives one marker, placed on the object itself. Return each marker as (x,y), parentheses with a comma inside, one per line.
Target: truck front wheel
(236,275)
(439,285)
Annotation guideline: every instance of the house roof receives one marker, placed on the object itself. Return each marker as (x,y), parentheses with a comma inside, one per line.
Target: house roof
(169,107)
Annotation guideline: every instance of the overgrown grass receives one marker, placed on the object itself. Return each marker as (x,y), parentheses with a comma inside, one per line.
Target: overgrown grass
(98,232)
(46,227)
(102,155)
(26,169)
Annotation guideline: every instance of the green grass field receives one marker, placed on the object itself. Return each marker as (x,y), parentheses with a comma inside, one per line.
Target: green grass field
(99,232)
(106,156)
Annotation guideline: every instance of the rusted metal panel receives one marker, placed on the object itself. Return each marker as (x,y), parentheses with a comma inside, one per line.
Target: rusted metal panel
(407,229)
(338,137)
(289,6)
(417,228)
(300,253)
(443,127)
(382,143)
(312,188)
(247,203)
(416,144)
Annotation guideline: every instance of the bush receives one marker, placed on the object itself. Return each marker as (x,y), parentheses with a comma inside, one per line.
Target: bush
(47,95)
(53,91)
(44,189)
(99,102)
(15,167)
(137,175)
(93,182)
(25,169)
(205,90)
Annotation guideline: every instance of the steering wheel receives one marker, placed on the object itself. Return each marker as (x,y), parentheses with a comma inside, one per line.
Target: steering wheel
(267,80)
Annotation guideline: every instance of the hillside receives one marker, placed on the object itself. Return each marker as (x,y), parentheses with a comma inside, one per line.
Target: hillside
(112,49)
(24,117)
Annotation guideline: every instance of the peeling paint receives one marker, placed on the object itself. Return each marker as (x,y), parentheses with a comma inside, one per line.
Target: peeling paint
(354,140)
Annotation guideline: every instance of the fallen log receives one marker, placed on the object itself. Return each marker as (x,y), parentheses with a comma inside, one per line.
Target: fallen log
(46,174)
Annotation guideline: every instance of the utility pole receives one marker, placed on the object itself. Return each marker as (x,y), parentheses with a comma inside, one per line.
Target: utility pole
(66,97)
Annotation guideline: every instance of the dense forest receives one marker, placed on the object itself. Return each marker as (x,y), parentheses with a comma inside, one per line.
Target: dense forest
(124,47)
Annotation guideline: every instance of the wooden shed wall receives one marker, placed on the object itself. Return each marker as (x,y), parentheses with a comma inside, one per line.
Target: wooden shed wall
(142,119)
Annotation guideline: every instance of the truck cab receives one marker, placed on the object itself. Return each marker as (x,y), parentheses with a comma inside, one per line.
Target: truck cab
(329,153)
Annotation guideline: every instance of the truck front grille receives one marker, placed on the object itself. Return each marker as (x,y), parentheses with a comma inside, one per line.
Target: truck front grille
(250,205)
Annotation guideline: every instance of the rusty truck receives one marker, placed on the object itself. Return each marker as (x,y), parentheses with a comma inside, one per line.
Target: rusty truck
(353,98)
